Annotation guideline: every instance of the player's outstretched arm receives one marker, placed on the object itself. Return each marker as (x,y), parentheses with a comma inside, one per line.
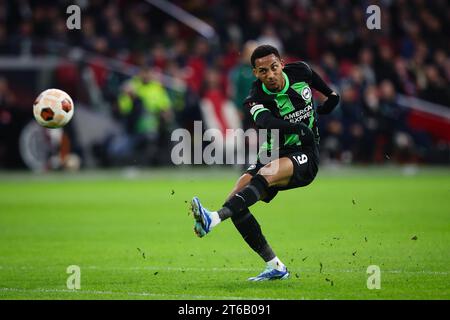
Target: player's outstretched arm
(329,104)
(332,97)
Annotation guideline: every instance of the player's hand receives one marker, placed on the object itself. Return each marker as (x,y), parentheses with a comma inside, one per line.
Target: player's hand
(306,135)
(329,104)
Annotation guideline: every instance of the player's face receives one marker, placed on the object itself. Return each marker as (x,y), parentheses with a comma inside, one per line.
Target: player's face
(269,70)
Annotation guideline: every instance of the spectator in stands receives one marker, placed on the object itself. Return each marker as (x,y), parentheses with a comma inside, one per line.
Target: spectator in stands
(4,45)
(146,110)
(241,79)
(436,90)
(351,119)
(372,144)
(118,42)
(8,126)
(218,111)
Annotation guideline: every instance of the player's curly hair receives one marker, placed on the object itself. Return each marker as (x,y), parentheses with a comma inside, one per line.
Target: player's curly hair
(262,51)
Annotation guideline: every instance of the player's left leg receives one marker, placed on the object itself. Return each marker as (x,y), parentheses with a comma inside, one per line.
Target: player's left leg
(251,232)
(305,169)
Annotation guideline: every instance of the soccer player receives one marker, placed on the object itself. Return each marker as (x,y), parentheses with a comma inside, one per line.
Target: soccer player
(280,98)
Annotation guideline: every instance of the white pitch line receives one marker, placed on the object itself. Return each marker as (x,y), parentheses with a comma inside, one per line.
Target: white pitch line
(225,269)
(140,294)
(182,296)
(390,271)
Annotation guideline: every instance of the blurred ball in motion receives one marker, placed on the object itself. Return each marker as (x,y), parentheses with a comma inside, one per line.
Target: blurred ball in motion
(53,108)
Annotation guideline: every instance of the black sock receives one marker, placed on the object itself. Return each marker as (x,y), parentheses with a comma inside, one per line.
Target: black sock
(245,198)
(250,230)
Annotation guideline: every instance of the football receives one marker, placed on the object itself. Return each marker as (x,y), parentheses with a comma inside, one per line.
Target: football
(53,108)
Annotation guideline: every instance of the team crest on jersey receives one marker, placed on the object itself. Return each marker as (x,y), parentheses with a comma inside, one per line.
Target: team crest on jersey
(306,93)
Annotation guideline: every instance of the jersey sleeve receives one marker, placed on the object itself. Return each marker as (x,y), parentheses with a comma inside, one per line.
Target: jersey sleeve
(302,69)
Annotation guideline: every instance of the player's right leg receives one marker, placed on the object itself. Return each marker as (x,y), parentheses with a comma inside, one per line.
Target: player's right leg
(276,173)
(205,219)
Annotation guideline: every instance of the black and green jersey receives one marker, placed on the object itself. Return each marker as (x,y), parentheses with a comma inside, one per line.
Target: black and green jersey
(293,103)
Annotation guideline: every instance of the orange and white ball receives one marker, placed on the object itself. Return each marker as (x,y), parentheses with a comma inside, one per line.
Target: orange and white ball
(53,108)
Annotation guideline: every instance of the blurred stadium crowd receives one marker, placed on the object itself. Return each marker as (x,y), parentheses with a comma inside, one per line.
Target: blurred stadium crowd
(207,78)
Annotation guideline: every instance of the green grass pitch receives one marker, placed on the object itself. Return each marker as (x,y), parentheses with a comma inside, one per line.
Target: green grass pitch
(132,237)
